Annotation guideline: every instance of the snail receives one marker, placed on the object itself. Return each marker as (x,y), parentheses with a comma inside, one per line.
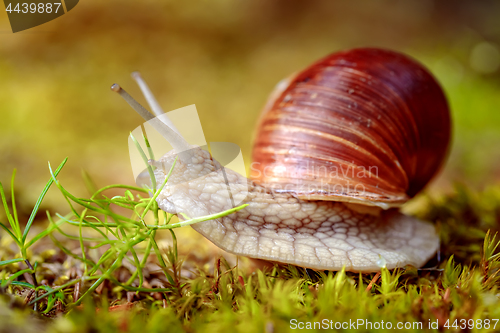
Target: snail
(339,147)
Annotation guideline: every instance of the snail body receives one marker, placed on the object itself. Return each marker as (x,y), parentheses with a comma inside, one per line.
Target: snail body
(281,227)
(363,110)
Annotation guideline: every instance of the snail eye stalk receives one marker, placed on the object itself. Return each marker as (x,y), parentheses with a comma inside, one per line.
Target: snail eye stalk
(153,103)
(163,128)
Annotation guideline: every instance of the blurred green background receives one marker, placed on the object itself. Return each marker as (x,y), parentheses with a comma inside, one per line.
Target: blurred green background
(225,57)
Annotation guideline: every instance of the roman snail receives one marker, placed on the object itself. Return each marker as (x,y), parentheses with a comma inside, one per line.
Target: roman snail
(339,146)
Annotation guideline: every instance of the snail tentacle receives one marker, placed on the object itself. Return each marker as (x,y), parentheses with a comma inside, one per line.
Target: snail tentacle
(153,103)
(176,140)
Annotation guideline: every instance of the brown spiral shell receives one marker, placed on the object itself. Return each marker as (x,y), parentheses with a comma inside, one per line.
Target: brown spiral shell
(366,125)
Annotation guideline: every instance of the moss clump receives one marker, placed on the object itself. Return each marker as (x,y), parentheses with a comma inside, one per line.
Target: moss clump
(107,273)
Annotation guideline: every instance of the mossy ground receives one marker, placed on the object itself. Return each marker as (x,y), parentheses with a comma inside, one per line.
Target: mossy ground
(165,290)
(226,56)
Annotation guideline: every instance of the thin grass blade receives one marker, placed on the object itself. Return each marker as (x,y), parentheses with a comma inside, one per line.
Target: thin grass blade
(11,261)
(145,159)
(40,198)
(10,218)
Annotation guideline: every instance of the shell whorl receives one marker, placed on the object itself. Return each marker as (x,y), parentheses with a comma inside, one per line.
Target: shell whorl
(366,125)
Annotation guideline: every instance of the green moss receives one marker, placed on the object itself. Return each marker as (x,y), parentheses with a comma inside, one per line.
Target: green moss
(105,251)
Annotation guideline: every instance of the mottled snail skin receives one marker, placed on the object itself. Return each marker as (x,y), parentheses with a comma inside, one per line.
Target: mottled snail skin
(279,227)
(359,108)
